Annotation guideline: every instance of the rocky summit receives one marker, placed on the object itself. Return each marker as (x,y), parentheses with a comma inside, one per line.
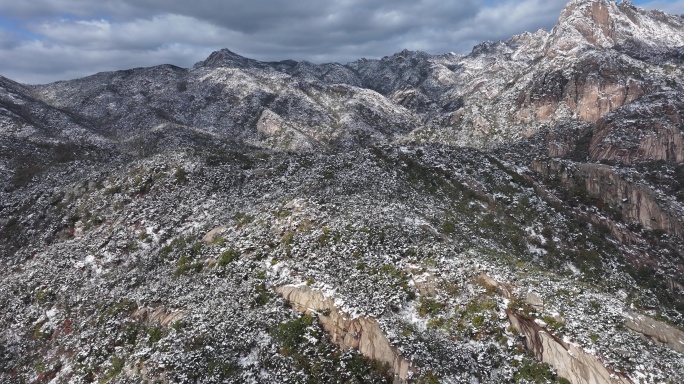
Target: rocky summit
(513,215)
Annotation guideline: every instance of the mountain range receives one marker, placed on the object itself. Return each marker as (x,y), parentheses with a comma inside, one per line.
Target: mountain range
(511,215)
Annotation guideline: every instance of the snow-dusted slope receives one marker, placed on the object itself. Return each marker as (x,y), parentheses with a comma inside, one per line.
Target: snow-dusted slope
(421,218)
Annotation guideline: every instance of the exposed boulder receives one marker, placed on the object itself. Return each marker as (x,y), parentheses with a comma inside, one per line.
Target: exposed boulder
(638,203)
(506,290)
(213,234)
(570,361)
(360,333)
(656,330)
(607,24)
(158,316)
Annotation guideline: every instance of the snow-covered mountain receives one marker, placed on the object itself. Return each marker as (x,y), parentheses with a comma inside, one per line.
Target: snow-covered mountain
(512,215)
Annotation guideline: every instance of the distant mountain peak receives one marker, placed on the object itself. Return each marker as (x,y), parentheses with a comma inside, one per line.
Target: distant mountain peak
(605,24)
(226,58)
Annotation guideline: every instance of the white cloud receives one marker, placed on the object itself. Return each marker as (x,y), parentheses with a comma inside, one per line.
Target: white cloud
(137,34)
(56,8)
(506,19)
(37,62)
(672,7)
(73,38)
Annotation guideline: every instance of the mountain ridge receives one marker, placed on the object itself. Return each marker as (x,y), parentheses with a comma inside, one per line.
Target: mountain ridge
(511,215)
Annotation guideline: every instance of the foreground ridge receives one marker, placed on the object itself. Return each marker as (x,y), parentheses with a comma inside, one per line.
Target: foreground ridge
(512,215)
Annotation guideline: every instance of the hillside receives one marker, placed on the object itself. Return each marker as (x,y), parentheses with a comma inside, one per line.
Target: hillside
(512,215)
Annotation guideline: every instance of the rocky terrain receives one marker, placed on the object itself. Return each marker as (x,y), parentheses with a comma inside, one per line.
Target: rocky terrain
(513,215)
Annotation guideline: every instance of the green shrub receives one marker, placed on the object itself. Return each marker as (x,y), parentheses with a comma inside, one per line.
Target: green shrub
(165,251)
(23,176)
(114,370)
(533,372)
(328,174)
(155,334)
(131,246)
(287,241)
(242,219)
(12,228)
(178,244)
(595,306)
(448,227)
(478,320)
(113,190)
(178,325)
(43,296)
(180,175)
(283,213)
(196,249)
(228,256)
(480,304)
(39,334)
(223,369)
(291,334)
(130,333)
(262,297)
(218,241)
(324,237)
(428,378)
(552,323)
(429,306)
(589,262)
(594,337)
(124,307)
(185,264)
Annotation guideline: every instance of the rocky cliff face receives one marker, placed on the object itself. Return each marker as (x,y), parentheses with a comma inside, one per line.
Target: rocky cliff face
(631,210)
(587,96)
(635,203)
(656,330)
(641,133)
(571,362)
(360,333)
(149,216)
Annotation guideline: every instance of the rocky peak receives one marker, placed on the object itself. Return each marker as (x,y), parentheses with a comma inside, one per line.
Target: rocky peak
(626,4)
(489,48)
(227,58)
(528,45)
(528,38)
(587,24)
(583,24)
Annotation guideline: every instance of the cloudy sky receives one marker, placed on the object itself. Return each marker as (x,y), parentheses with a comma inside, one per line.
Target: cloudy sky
(49,40)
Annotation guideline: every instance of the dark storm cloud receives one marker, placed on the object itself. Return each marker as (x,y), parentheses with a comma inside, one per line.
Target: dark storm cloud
(355,17)
(60,39)
(50,8)
(8,39)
